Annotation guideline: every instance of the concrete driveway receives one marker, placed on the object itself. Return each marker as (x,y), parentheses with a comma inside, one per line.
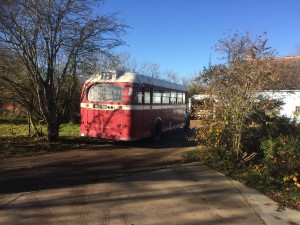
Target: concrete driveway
(190,194)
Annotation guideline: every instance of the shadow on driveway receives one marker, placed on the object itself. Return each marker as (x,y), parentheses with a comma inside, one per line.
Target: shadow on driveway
(100,162)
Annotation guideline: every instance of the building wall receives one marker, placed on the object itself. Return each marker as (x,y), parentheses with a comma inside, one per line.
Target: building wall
(291,99)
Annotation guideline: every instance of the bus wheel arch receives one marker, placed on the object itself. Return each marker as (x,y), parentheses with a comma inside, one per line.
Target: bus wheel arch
(157,129)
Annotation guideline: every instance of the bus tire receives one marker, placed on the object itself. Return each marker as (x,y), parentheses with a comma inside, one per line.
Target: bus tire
(187,122)
(157,131)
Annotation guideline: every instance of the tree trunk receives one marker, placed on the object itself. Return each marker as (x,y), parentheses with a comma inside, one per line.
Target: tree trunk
(236,143)
(53,130)
(53,121)
(33,125)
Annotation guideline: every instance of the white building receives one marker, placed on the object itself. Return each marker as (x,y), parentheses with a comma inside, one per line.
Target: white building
(291,100)
(287,88)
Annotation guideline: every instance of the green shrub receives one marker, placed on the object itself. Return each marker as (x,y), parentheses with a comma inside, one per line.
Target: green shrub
(274,170)
(281,159)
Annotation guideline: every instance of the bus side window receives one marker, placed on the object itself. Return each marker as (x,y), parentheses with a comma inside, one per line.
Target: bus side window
(179,98)
(157,97)
(166,97)
(139,97)
(147,97)
(173,97)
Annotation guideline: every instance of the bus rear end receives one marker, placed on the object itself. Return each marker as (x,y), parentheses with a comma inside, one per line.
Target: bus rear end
(129,106)
(102,113)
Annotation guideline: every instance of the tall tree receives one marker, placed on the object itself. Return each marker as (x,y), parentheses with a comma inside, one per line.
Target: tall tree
(53,39)
(236,85)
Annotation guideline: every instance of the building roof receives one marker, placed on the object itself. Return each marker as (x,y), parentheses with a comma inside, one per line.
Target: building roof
(288,71)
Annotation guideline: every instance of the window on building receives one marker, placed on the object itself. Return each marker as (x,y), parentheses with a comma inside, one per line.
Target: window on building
(297,109)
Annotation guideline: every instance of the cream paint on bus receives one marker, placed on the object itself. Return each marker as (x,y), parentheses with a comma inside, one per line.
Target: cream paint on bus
(129,107)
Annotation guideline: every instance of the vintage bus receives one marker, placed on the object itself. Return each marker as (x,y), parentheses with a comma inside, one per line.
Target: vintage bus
(128,106)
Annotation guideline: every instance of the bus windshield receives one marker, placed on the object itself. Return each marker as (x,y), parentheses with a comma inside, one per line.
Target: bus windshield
(105,93)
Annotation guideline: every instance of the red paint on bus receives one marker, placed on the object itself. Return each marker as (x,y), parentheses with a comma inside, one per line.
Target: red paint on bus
(129,106)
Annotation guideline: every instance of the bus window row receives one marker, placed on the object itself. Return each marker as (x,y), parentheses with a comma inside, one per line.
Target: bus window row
(114,93)
(161,97)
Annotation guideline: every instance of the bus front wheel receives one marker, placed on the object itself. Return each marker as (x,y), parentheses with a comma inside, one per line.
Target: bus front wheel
(157,130)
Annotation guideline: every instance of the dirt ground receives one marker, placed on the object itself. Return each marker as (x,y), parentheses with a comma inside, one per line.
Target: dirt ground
(91,165)
(78,186)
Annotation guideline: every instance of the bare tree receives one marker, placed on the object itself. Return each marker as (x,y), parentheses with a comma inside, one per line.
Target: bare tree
(150,69)
(53,39)
(194,83)
(171,76)
(16,85)
(125,61)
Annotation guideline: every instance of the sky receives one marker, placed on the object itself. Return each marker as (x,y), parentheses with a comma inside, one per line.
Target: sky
(181,35)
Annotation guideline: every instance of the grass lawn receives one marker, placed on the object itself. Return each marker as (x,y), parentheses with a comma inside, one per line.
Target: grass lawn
(16,141)
(19,128)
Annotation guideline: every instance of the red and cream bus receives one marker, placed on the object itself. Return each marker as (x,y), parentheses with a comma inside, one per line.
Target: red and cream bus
(128,106)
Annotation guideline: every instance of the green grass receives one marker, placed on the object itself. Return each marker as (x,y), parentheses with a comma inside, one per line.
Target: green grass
(11,127)
(16,141)
(19,128)
(69,130)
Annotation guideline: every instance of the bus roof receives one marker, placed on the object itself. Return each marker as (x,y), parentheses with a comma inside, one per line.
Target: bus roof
(121,76)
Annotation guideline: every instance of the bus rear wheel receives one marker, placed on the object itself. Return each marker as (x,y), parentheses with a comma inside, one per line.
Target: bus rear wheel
(187,122)
(157,131)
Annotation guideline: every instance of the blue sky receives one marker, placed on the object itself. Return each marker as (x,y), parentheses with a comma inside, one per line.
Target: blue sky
(180,35)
